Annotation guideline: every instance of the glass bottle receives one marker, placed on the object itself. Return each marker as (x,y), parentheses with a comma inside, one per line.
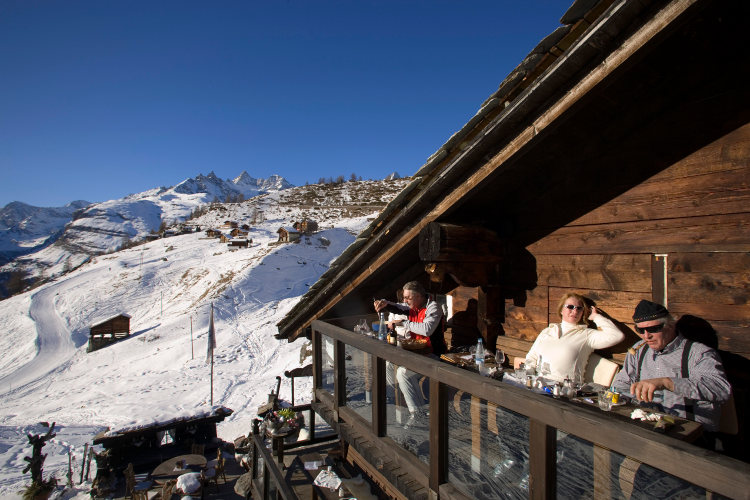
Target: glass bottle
(382,328)
(479,353)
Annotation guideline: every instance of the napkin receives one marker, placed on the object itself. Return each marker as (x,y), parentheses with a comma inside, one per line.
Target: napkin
(328,479)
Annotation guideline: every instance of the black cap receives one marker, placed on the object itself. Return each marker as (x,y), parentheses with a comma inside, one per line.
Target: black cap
(647,311)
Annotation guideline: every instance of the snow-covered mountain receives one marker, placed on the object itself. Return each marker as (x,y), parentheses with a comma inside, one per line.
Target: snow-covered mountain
(26,228)
(167,286)
(104,227)
(392,176)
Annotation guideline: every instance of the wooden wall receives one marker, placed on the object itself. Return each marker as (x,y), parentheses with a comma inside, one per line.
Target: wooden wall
(682,238)
(118,324)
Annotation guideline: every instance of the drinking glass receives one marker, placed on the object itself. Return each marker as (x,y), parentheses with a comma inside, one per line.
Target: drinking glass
(499,358)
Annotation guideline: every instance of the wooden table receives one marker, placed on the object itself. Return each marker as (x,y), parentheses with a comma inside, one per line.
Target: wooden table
(167,470)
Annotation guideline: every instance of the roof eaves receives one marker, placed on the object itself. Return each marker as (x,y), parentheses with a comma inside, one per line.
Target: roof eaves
(522,81)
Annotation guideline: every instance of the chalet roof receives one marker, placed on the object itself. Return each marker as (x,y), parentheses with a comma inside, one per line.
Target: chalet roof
(101,320)
(509,100)
(596,40)
(215,414)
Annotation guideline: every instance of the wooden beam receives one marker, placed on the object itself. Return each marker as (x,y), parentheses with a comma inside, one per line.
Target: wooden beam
(378,397)
(542,460)
(659,279)
(490,314)
(438,434)
(439,242)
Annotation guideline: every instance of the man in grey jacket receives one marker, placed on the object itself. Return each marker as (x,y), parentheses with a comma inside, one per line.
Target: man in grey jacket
(685,378)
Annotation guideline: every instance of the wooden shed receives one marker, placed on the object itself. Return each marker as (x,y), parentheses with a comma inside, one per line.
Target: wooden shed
(288,235)
(614,161)
(213,233)
(108,332)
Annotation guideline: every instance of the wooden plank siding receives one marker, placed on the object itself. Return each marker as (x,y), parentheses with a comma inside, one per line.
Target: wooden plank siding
(696,212)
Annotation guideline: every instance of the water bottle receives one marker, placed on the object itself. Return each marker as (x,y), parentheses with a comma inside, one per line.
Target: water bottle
(382,328)
(479,353)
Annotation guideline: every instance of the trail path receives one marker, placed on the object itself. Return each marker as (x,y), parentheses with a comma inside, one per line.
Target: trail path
(53,340)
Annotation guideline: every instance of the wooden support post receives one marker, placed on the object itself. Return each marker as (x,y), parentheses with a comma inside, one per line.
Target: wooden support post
(659,279)
(317,353)
(602,472)
(490,314)
(378,396)
(542,461)
(438,434)
(339,382)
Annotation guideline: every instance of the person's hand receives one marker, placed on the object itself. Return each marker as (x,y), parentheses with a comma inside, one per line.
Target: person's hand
(644,389)
(593,313)
(395,322)
(380,305)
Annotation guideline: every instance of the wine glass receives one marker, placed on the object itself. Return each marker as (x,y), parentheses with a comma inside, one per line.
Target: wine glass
(499,357)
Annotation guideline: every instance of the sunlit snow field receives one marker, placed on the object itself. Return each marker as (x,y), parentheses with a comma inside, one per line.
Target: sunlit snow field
(160,372)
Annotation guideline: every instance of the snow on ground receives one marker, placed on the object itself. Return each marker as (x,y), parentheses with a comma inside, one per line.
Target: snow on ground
(160,372)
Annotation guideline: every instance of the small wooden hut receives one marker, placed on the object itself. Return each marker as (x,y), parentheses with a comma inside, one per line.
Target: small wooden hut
(108,332)
(288,235)
(154,442)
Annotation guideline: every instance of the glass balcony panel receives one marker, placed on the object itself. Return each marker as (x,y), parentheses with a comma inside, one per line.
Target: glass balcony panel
(358,373)
(587,471)
(407,410)
(328,375)
(488,448)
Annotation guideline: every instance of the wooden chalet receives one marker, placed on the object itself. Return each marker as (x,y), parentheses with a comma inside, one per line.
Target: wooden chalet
(236,232)
(306,227)
(149,444)
(108,332)
(244,243)
(288,235)
(613,161)
(213,233)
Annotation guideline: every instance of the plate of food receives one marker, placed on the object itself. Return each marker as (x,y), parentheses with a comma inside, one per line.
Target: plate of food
(414,344)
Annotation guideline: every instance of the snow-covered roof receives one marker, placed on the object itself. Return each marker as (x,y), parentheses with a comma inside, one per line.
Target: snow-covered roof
(216,412)
(98,321)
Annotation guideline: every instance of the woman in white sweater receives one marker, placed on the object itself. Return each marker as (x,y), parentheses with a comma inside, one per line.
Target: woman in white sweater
(566,346)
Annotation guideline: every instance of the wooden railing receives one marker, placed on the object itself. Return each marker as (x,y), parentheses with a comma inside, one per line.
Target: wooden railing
(703,468)
(268,480)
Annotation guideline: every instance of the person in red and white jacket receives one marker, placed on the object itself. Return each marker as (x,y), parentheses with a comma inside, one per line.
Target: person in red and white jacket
(424,317)
(424,321)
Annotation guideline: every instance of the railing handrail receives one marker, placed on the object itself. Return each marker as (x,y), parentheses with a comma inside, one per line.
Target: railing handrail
(696,465)
(274,472)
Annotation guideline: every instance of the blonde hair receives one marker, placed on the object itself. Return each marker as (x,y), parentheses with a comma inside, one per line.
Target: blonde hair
(579,298)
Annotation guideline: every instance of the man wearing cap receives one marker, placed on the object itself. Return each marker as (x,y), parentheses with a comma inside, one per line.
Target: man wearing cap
(686,378)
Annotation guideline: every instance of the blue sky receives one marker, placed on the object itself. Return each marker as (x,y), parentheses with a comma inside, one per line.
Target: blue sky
(100,99)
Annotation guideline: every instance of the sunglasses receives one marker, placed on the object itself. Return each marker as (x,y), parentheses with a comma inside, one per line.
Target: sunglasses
(571,307)
(650,329)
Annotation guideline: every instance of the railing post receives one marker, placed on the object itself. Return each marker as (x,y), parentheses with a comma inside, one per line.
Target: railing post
(339,367)
(542,460)
(378,396)
(317,353)
(438,434)
(254,458)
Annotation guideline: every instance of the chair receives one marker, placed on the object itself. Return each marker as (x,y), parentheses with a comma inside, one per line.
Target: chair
(137,490)
(215,468)
(167,489)
(600,370)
